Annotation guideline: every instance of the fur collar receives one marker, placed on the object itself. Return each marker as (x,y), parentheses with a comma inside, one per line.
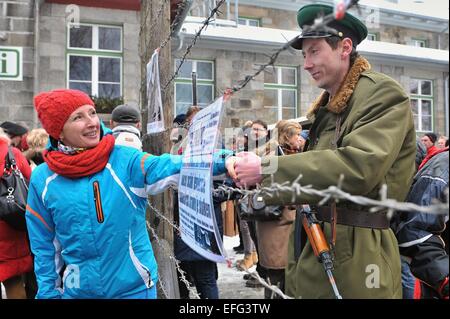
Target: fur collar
(339,102)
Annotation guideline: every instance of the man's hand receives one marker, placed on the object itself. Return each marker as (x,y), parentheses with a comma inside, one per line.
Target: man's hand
(245,169)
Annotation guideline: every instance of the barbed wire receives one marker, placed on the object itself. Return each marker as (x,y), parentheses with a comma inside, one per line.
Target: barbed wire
(255,275)
(156,20)
(205,24)
(273,288)
(181,7)
(272,59)
(336,193)
(172,257)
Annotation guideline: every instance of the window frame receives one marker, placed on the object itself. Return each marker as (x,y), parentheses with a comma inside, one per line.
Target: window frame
(247,21)
(280,87)
(415,41)
(95,37)
(95,54)
(421,97)
(374,34)
(181,80)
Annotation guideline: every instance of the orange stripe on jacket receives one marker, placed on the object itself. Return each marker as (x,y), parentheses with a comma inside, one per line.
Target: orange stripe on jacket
(143,162)
(39,217)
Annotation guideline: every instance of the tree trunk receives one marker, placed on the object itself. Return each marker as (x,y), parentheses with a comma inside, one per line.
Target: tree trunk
(154,30)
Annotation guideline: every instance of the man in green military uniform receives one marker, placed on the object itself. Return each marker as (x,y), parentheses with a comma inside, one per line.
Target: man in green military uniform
(363,129)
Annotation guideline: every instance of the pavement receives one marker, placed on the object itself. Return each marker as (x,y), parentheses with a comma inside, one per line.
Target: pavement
(230,282)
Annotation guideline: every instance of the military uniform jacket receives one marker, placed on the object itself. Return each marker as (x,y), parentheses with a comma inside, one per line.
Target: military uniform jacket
(375,146)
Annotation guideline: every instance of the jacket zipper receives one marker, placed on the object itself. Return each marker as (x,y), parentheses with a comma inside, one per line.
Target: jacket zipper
(98,203)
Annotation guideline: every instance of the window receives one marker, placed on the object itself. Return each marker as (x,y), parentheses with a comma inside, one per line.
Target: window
(372,36)
(421,92)
(94,59)
(419,43)
(249,21)
(280,93)
(183,84)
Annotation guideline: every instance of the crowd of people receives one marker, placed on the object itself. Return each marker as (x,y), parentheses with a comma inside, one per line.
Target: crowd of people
(86,234)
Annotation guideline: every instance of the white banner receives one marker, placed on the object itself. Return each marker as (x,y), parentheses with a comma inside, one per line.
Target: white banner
(198,223)
(155,119)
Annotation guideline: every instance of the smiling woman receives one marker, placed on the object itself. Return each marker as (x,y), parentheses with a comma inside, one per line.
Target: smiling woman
(88,201)
(82,129)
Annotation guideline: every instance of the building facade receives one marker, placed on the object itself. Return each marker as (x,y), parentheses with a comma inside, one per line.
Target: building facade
(94,46)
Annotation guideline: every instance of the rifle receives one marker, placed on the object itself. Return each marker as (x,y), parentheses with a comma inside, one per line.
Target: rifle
(319,245)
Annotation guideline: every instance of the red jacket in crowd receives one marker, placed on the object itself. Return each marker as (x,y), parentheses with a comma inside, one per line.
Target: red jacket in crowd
(15,255)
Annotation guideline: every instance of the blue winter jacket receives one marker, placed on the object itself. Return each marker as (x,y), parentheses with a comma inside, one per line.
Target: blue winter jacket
(95,226)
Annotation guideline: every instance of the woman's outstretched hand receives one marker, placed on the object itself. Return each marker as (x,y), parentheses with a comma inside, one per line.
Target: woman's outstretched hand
(244,169)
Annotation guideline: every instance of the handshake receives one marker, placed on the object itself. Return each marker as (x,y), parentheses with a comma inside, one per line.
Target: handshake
(244,169)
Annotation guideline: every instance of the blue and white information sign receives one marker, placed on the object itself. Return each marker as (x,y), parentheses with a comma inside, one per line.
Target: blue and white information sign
(198,223)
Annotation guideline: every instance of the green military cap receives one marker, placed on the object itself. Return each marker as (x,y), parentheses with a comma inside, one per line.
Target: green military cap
(348,27)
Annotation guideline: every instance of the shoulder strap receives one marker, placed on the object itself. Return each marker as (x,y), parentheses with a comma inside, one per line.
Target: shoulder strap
(10,160)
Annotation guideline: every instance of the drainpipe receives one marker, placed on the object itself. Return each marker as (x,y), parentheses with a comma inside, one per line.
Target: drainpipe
(440,36)
(446,119)
(178,22)
(36,57)
(236,11)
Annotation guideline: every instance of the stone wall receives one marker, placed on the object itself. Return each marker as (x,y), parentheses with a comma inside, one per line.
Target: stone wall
(17,29)
(17,21)
(53,44)
(233,66)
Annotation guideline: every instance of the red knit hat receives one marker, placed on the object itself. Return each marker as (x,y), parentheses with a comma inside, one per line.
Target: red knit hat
(54,108)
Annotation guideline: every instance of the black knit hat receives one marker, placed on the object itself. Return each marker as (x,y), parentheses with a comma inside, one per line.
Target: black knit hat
(432,137)
(179,119)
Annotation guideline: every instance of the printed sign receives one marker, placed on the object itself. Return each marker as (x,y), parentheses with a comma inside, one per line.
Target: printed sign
(11,63)
(155,119)
(198,223)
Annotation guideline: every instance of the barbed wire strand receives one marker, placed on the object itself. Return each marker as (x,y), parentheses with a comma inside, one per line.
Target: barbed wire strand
(181,6)
(156,20)
(320,23)
(266,284)
(255,275)
(336,193)
(176,261)
(205,24)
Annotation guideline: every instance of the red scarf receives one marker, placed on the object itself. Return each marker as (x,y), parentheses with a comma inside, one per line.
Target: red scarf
(83,164)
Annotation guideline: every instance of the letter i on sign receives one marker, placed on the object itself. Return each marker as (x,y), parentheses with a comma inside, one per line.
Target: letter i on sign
(3,63)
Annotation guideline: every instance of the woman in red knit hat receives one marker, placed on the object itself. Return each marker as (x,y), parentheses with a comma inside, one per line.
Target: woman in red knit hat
(86,205)
(15,255)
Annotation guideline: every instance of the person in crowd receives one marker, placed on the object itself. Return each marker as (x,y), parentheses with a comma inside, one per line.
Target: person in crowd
(37,140)
(240,144)
(190,113)
(16,132)
(86,205)
(273,236)
(441,141)
(420,235)
(362,129)
(421,152)
(199,271)
(257,135)
(126,126)
(303,138)
(15,255)
(429,140)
